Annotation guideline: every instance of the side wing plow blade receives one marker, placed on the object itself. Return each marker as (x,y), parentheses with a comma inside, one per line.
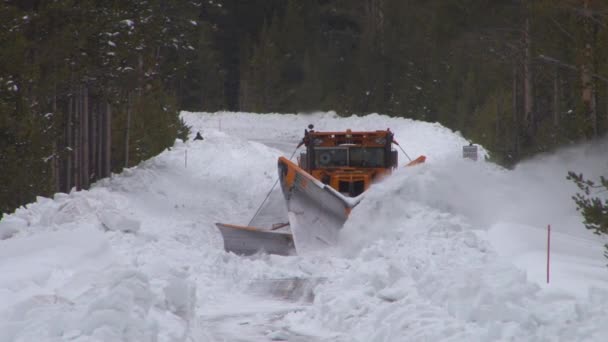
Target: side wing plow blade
(417,161)
(245,240)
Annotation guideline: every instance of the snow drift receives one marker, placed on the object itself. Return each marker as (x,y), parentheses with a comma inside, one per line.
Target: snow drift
(452,250)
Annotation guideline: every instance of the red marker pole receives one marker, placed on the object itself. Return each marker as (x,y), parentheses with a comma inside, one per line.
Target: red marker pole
(548,250)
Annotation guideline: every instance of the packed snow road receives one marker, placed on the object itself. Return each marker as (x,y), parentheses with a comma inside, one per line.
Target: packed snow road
(448,251)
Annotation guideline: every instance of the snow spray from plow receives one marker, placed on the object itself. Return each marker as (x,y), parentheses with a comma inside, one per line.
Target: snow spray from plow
(320,190)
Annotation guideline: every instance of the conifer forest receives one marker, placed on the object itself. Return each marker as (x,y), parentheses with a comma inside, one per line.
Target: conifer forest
(89,87)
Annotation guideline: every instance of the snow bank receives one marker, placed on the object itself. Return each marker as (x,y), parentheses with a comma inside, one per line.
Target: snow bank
(115,220)
(69,272)
(423,247)
(68,285)
(284,131)
(451,250)
(9,227)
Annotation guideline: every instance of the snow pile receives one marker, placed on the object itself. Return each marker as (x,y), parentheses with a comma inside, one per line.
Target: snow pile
(432,276)
(61,280)
(451,250)
(284,131)
(114,220)
(8,227)
(424,244)
(67,285)
(131,258)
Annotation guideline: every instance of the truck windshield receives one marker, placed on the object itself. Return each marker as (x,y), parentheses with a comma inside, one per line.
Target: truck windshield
(366,157)
(350,156)
(331,157)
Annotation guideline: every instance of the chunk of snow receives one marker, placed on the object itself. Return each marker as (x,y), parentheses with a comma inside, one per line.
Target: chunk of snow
(10,226)
(114,220)
(180,297)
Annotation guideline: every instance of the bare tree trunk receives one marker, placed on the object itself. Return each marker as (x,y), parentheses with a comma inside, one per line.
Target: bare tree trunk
(100,137)
(55,171)
(594,114)
(108,142)
(103,118)
(587,89)
(85,137)
(94,142)
(140,72)
(587,70)
(498,117)
(515,118)
(243,95)
(528,96)
(77,140)
(556,110)
(128,130)
(69,146)
(375,10)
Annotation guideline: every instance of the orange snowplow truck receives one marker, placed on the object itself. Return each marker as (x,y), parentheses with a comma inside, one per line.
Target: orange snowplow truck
(329,179)
(349,161)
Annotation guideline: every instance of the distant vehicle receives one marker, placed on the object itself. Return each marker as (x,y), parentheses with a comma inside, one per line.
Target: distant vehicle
(320,191)
(469,152)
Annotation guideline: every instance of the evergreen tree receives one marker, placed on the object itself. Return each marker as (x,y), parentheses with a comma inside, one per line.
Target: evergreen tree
(89,87)
(592,203)
(73,71)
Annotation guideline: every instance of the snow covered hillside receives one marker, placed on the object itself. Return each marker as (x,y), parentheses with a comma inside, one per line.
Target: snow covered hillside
(451,250)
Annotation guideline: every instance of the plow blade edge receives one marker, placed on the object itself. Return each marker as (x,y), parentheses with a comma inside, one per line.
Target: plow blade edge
(316,211)
(244,240)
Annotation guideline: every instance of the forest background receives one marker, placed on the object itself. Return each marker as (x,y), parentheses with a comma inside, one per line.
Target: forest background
(90,87)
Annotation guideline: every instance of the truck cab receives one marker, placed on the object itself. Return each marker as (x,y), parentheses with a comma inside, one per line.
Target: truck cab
(348,161)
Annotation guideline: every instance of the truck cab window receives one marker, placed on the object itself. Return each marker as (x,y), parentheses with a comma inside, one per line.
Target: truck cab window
(331,157)
(366,157)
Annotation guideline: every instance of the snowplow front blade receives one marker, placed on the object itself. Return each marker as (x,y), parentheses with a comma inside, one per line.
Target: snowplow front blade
(316,211)
(244,240)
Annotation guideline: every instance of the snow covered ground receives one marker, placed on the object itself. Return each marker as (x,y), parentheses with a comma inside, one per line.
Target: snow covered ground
(452,250)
